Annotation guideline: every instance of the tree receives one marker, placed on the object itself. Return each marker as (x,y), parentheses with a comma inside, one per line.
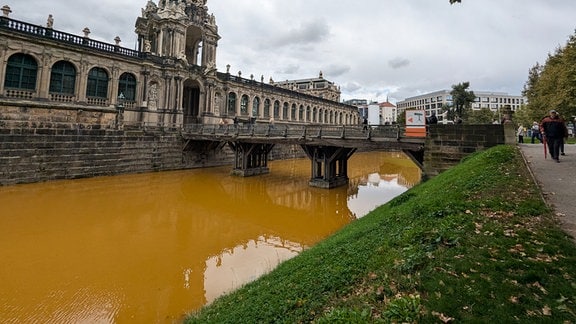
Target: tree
(448,112)
(523,116)
(553,85)
(482,116)
(462,99)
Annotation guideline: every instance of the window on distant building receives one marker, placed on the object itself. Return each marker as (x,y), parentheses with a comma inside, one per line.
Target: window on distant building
(21,72)
(231,104)
(276,109)
(127,86)
(285,113)
(319,85)
(266,108)
(62,78)
(97,83)
(256,107)
(244,105)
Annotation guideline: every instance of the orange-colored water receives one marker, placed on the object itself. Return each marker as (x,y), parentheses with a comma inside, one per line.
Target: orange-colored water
(149,248)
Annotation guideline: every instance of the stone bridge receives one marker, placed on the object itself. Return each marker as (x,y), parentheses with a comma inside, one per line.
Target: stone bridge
(328,147)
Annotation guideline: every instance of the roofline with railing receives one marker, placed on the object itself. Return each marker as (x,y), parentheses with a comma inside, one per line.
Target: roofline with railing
(67,39)
(272,88)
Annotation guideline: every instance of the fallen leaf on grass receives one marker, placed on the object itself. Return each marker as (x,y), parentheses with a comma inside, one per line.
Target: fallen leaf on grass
(442,317)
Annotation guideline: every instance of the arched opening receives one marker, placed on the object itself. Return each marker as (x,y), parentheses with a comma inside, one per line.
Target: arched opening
(193,50)
(21,72)
(191,102)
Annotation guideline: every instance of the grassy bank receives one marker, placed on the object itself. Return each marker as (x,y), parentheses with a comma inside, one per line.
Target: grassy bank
(474,244)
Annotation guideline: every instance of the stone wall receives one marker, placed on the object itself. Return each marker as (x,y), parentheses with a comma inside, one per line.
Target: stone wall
(40,144)
(446,145)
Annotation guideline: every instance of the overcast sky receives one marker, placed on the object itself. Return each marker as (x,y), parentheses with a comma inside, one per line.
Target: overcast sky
(373,49)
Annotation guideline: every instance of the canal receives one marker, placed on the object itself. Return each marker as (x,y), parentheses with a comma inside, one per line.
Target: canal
(149,248)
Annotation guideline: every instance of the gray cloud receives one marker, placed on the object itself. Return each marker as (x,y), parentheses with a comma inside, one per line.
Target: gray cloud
(336,70)
(311,32)
(289,69)
(398,63)
(362,46)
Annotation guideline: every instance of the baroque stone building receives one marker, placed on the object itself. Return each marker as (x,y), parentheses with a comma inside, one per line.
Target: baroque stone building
(170,80)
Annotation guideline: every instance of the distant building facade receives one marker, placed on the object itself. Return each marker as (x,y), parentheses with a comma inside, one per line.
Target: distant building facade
(170,79)
(387,112)
(318,87)
(433,102)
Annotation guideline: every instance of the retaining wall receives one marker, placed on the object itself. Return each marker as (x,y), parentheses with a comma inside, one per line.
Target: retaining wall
(40,144)
(446,145)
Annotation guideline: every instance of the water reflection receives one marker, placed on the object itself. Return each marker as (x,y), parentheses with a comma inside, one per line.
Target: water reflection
(152,247)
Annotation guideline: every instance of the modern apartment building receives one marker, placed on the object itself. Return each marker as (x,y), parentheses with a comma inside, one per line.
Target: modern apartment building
(434,101)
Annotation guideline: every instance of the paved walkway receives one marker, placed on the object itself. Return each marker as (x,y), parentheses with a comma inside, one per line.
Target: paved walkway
(557,180)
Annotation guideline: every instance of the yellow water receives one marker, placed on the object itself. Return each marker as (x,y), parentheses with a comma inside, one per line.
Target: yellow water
(149,248)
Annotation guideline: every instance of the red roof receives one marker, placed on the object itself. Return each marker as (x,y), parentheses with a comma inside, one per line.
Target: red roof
(386,104)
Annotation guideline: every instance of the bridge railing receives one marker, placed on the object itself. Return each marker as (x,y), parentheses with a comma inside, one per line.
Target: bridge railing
(295,131)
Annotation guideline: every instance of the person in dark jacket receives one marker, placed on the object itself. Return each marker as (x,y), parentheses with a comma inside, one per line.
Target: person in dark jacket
(553,130)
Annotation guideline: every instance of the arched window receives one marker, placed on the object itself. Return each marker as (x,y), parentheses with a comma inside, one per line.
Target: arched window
(293,112)
(266,108)
(256,107)
(276,109)
(314,115)
(285,111)
(244,105)
(231,104)
(301,113)
(97,83)
(308,114)
(63,78)
(21,72)
(127,86)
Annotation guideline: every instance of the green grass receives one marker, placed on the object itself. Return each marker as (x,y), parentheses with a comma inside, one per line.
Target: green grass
(474,244)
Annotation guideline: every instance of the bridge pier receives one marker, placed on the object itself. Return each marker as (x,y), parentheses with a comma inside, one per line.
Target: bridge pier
(250,158)
(329,165)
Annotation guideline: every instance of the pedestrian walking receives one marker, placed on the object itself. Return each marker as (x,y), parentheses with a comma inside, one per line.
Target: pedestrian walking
(271,123)
(536,132)
(553,130)
(520,133)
